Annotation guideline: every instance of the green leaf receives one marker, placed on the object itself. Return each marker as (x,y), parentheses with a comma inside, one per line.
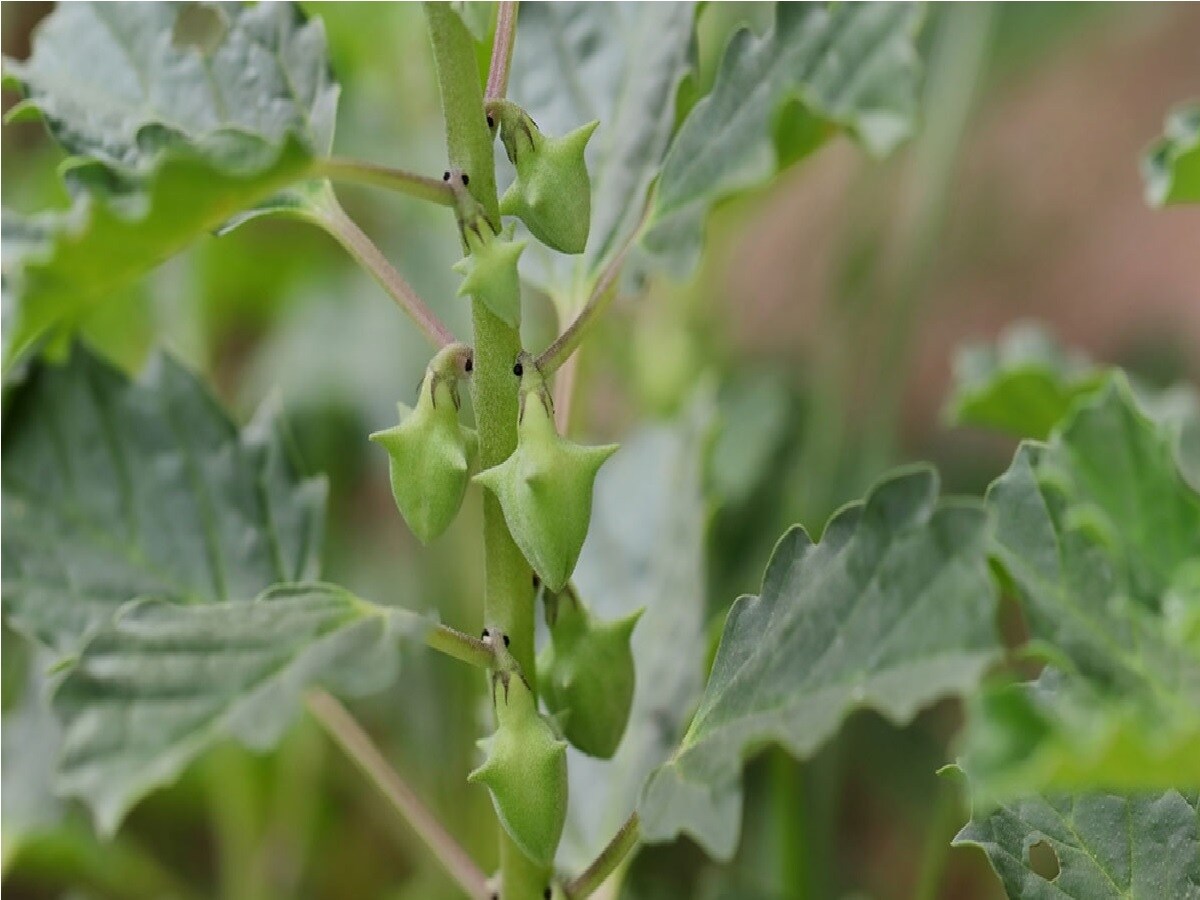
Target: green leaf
(892,610)
(163,682)
(1098,532)
(32,737)
(119,85)
(1023,385)
(176,116)
(115,489)
(1143,847)
(776,97)
(1171,168)
(621,64)
(655,561)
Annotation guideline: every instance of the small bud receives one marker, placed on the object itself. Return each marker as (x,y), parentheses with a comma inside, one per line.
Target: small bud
(429,452)
(490,271)
(545,486)
(525,770)
(587,674)
(552,193)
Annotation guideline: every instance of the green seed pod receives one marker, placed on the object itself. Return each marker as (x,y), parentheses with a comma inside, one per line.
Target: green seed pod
(552,193)
(490,271)
(525,770)
(545,486)
(429,452)
(587,673)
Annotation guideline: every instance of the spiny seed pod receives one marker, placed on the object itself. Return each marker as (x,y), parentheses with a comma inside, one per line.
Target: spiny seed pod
(430,452)
(545,486)
(586,673)
(552,193)
(490,270)
(525,770)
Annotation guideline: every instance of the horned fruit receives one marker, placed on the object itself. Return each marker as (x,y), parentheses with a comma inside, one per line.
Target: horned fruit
(430,451)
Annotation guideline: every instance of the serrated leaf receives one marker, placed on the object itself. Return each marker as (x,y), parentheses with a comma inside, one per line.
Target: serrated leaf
(1144,847)
(176,116)
(655,561)
(847,66)
(620,63)
(1171,168)
(1098,531)
(119,84)
(1023,385)
(115,489)
(892,610)
(32,737)
(162,682)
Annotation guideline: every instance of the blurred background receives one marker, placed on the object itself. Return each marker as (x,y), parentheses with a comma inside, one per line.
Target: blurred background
(825,316)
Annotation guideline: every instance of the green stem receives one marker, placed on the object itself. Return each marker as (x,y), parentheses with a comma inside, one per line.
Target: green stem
(502,48)
(602,293)
(937,842)
(349,735)
(508,596)
(355,171)
(328,213)
(590,880)
(461,646)
(233,805)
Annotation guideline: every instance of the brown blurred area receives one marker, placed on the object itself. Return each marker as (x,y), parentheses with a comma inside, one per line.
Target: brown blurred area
(1046,219)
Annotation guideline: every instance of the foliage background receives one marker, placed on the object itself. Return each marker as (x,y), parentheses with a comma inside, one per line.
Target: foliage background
(826,312)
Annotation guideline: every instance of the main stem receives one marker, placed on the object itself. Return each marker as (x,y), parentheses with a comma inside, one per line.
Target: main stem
(508,589)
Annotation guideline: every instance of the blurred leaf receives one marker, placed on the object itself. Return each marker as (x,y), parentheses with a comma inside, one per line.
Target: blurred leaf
(652,560)
(163,682)
(846,66)
(621,63)
(31,741)
(1099,534)
(892,610)
(1171,168)
(1125,848)
(177,116)
(1023,385)
(115,489)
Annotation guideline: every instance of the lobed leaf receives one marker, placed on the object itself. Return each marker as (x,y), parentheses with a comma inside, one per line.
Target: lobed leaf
(1141,847)
(818,69)
(1098,531)
(1023,385)
(652,560)
(176,117)
(892,610)
(163,682)
(1171,168)
(114,490)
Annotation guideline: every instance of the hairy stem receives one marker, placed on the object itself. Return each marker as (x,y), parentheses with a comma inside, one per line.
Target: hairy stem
(610,857)
(461,646)
(350,736)
(508,597)
(329,214)
(602,293)
(502,48)
(355,171)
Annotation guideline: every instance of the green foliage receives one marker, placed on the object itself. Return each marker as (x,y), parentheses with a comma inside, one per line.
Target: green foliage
(1024,385)
(847,66)
(116,489)
(163,682)
(891,610)
(190,114)
(1171,168)
(1099,534)
(1105,846)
